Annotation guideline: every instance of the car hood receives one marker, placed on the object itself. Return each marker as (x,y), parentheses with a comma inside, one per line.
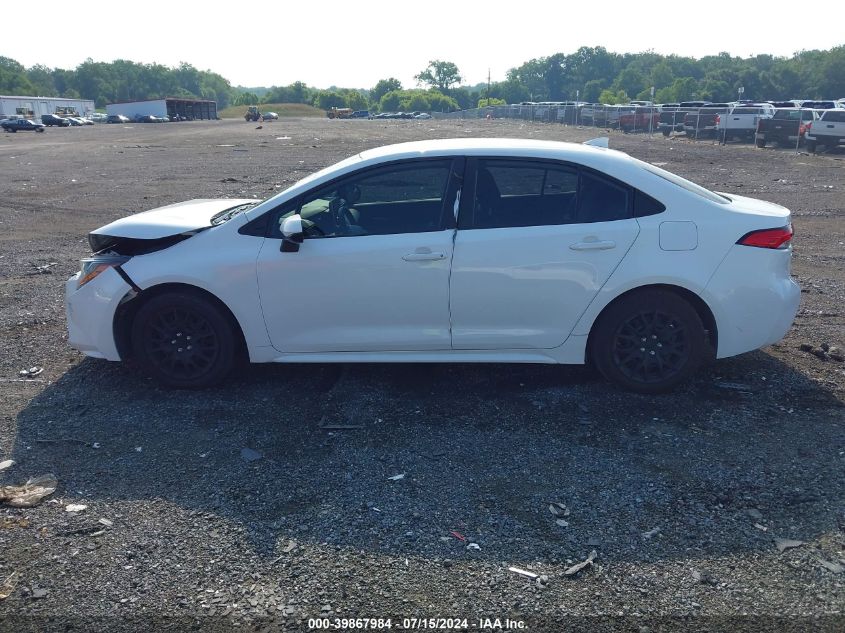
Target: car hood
(182,217)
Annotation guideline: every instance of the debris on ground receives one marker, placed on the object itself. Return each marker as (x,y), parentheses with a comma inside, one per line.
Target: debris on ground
(29,494)
(458,536)
(523,572)
(75,507)
(45,269)
(735,386)
(836,568)
(7,463)
(397,477)
(105,522)
(762,528)
(572,571)
(9,585)
(651,533)
(32,372)
(784,544)
(474,546)
(754,513)
(38,593)
(250,455)
(704,577)
(558,509)
(542,581)
(562,523)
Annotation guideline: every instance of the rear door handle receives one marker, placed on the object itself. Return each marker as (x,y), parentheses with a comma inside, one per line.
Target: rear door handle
(423,256)
(594,245)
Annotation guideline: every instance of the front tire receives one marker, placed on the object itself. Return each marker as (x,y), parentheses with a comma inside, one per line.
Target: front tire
(649,341)
(183,340)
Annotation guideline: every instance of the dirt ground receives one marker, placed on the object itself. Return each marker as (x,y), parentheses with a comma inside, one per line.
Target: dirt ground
(682,497)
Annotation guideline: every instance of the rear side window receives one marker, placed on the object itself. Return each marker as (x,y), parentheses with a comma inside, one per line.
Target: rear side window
(601,200)
(834,116)
(523,193)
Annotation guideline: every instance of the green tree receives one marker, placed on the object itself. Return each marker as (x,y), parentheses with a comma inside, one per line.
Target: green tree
(383,87)
(439,74)
(592,91)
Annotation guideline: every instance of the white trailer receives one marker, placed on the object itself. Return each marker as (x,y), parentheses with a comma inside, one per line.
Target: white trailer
(35,107)
(171,107)
(135,109)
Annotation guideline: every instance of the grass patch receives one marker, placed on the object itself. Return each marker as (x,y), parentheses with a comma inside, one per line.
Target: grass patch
(282,109)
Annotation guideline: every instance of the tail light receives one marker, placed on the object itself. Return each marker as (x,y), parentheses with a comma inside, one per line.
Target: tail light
(778,238)
(718,118)
(808,126)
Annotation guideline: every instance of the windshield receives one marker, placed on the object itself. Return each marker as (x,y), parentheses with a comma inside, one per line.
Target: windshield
(228,214)
(683,183)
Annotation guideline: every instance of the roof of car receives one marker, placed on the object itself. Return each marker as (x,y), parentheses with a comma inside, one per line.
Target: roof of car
(487,146)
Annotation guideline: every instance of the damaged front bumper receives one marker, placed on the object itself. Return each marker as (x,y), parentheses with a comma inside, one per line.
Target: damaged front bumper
(90,313)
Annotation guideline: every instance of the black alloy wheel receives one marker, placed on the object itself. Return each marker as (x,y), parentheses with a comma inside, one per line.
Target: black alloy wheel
(649,341)
(183,340)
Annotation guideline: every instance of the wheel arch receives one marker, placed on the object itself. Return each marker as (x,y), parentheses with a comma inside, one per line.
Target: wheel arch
(128,309)
(698,304)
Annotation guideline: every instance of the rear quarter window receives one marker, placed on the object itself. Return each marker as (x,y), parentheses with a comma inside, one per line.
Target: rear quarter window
(834,116)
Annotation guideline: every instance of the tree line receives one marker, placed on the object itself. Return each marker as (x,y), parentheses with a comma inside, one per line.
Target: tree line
(591,74)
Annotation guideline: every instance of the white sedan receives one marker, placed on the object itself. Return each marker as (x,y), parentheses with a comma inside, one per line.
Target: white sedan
(465,250)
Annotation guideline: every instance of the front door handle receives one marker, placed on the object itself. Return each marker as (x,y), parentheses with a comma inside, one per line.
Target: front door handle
(423,256)
(593,245)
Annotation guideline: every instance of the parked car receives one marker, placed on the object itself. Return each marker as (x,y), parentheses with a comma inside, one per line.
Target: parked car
(75,121)
(51,119)
(17,125)
(98,117)
(270,116)
(741,121)
(422,115)
(785,127)
(147,118)
(360,114)
(117,118)
(553,253)
(828,131)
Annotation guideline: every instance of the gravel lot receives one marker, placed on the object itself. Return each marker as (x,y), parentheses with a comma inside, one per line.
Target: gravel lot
(234,508)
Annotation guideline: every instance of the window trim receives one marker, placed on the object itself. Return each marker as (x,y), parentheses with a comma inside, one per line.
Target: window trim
(466,219)
(262,226)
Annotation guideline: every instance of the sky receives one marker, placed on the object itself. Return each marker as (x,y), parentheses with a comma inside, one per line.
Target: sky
(354,44)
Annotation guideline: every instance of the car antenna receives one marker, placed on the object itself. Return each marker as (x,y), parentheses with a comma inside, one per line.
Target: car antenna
(601,141)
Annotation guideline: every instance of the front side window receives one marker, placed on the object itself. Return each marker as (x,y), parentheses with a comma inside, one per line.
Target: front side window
(404,198)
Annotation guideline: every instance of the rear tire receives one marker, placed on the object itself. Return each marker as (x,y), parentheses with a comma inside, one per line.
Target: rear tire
(811,147)
(183,340)
(760,142)
(649,341)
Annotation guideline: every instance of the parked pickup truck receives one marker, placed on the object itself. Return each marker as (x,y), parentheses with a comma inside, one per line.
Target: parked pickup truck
(828,131)
(643,118)
(741,121)
(672,115)
(703,122)
(786,127)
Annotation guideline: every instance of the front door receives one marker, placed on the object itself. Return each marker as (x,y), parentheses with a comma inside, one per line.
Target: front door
(372,273)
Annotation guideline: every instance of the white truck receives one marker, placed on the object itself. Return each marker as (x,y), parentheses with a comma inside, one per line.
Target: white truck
(741,121)
(828,131)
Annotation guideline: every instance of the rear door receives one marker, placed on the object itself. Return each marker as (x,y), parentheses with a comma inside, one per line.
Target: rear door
(536,241)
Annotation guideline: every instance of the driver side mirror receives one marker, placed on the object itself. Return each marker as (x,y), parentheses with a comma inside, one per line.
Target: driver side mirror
(292,234)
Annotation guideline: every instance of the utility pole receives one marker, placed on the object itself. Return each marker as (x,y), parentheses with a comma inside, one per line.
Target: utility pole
(488,87)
